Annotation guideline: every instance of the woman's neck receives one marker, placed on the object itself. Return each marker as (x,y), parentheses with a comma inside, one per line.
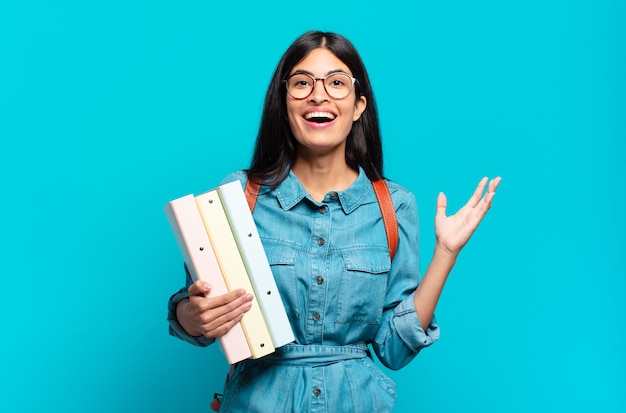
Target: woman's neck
(322,176)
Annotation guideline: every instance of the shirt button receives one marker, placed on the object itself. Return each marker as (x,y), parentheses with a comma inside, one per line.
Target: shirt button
(333,195)
(320,279)
(316,392)
(316,316)
(320,241)
(323,209)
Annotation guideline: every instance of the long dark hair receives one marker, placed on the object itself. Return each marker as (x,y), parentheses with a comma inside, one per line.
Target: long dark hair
(275,147)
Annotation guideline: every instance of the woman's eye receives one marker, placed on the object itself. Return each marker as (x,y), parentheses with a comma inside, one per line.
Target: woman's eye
(300,82)
(338,81)
(336,84)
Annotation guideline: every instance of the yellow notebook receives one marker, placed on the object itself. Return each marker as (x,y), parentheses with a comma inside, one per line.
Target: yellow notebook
(234,270)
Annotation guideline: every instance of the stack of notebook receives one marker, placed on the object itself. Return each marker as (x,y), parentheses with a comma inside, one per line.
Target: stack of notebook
(220,244)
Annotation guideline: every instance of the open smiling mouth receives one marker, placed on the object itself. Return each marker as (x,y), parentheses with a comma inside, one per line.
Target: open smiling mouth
(319,117)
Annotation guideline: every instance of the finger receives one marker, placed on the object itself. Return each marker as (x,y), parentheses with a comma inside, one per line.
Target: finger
(487,200)
(493,185)
(491,189)
(442,203)
(224,328)
(218,321)
(199,288)
(226,313)
(228,299)
(478,192)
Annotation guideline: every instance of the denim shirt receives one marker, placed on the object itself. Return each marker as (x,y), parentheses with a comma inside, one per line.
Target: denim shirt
(341,291)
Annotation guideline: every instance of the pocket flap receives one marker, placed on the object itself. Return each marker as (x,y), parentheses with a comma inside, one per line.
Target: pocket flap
(372,261)
(281,256)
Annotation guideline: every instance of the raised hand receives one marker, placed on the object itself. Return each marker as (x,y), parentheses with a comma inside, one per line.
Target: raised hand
(454,231)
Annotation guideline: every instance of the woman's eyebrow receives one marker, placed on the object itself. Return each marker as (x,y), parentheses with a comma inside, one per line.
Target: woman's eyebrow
(300,71)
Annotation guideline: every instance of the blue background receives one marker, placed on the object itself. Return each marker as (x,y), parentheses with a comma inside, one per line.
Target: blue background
(110,109)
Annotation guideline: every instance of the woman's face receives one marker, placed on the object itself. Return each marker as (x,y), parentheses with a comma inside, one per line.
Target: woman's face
(319,122)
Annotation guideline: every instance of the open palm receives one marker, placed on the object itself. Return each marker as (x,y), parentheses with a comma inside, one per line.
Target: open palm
(454,231)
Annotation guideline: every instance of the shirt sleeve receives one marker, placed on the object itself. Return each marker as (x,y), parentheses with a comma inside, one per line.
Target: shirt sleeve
(401,336)
(175,329)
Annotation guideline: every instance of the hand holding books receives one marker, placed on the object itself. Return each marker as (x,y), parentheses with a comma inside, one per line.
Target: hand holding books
(210,316)
(220,244)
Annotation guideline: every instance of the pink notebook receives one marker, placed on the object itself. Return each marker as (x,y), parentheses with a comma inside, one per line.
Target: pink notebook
(195,246)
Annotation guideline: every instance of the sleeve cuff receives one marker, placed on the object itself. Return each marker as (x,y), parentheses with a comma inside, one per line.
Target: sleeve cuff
(176,329)
(409,328)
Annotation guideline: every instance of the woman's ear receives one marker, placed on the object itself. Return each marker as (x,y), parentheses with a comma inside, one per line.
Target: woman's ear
(359,108)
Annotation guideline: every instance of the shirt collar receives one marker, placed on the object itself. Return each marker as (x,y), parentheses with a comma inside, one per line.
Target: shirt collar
(290,192)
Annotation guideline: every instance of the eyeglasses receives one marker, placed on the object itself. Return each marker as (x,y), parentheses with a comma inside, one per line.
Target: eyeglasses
(338,85)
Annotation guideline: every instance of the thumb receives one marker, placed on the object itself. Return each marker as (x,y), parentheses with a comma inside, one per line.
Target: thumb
(442,203)
(199,288)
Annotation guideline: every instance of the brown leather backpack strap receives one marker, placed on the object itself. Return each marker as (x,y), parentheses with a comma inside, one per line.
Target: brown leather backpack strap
(252,193)
(389,214)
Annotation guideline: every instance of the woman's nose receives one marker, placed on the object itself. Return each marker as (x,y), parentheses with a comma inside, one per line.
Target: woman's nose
(319,92)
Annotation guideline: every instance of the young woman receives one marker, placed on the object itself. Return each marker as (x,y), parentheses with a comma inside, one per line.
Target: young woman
(317,153)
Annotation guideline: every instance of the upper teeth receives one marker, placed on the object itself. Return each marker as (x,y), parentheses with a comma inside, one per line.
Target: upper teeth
(319,115)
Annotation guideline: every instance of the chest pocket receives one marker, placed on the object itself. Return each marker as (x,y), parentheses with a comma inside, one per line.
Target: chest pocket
(363,285)
(282,261)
